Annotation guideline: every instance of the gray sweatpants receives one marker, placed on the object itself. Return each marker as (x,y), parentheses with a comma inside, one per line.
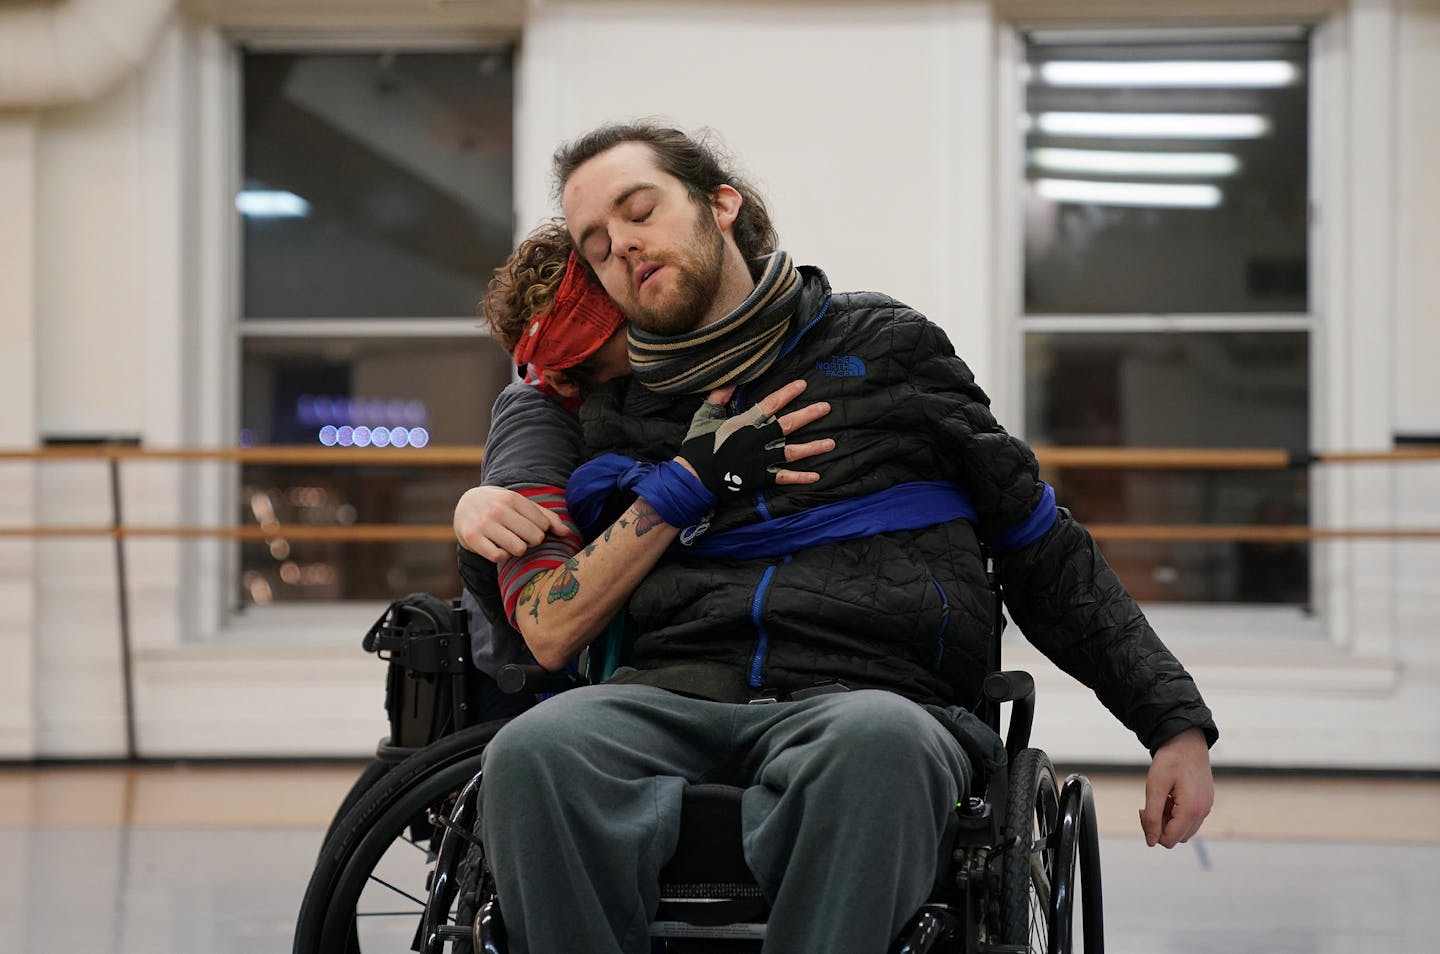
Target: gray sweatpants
(846,798)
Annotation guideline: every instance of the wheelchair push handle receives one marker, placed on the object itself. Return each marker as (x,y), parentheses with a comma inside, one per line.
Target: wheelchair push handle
(1017,688)
(514,678)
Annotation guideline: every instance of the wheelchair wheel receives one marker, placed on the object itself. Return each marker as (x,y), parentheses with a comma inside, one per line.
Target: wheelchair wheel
(367,893)
(473,887)
(457,880)
(372,773)
(1028,860)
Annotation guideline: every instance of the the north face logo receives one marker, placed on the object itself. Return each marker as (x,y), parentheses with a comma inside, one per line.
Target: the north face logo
(843,366)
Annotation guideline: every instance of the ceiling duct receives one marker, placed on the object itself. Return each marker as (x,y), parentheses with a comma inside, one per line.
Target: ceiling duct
(72,51)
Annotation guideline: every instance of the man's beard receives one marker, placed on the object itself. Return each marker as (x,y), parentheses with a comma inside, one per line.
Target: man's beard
(696,272)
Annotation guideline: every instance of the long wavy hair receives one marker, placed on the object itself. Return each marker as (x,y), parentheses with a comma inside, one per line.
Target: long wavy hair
(697,161)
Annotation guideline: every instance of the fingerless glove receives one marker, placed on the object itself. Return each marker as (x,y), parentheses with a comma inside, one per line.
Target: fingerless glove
(734,454)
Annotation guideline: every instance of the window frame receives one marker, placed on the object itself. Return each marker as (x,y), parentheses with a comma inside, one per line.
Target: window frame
(1341,570)
(211,611)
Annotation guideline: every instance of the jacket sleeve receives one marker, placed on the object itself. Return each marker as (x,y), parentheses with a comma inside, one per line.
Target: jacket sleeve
(1058,588)
(997,470)
(1070,604)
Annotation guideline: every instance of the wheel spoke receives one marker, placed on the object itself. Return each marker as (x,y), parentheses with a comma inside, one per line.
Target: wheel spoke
(384,914)
(404,894)
(1039,925)
(1040,879)
(401,806)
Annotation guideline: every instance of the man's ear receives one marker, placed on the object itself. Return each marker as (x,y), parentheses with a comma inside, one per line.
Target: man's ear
(725,202)
(563,384)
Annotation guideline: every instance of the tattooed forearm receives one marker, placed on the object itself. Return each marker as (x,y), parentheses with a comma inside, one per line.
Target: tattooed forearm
(646,519)
(565,586)
(527,594)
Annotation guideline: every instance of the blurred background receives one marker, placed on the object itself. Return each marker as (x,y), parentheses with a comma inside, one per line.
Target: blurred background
(231,224)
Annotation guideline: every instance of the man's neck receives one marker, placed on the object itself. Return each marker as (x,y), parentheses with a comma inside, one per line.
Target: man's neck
(736,284)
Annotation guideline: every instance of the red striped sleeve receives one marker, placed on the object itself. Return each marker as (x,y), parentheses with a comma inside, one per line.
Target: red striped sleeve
(554,551)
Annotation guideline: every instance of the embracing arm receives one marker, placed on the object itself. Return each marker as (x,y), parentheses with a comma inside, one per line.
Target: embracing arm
(497,522)
(534,444)
(560,610)
(515,522)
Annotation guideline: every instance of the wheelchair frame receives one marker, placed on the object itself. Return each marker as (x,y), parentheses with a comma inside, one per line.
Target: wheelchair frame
(981,846)
(984,853)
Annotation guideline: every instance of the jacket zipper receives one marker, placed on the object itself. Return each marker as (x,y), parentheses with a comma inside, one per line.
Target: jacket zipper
(762,640)
(757,605)
(762,635)
(944,621)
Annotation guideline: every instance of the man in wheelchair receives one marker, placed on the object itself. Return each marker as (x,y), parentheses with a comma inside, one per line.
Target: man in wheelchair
(813,637)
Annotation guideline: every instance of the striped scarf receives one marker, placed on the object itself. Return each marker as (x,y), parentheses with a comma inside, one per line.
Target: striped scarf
(738,348)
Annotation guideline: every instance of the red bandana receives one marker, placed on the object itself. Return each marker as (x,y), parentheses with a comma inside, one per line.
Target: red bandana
(582,319)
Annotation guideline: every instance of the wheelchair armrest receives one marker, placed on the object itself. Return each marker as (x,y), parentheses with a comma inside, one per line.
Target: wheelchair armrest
(1017,688)
(514,678)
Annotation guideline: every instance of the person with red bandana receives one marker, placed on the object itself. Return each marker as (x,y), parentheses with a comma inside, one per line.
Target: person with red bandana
(546,308)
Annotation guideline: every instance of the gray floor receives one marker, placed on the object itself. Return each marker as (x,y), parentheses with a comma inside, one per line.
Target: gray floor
(168,891)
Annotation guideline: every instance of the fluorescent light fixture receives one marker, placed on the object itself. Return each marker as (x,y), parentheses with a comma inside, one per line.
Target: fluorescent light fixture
(1129,193)
(268,204)
(1211,74)
(1118,163)
(1154,125)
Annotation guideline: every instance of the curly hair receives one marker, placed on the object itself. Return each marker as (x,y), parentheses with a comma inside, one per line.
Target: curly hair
(697,161)
(525,285)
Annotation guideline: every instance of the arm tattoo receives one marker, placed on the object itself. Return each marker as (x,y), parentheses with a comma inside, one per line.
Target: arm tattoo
(565,586)
(646,519)
(528,593)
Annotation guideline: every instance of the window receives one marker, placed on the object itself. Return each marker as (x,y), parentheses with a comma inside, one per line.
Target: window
(376,200)
(1166,289)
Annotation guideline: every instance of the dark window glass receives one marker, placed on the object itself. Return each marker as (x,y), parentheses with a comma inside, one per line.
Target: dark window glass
(393,393)
(1197,389)
(1167,173)
(1166,177)
(1192,390)
(375,185)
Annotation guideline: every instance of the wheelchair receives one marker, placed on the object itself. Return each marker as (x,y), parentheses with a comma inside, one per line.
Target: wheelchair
(403,868)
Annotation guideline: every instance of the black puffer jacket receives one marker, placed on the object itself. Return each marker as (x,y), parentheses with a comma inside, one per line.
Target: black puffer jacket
(908,611)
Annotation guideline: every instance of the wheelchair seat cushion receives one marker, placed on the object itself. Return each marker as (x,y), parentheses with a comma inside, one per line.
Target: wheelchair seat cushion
(707,881)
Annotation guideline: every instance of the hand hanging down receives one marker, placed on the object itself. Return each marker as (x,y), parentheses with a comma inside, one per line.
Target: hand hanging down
(1179,790)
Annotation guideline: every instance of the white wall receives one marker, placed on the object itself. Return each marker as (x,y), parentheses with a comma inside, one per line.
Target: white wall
(872,127)
(17,429)
(864,124)
(1417,399)
(91,365)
